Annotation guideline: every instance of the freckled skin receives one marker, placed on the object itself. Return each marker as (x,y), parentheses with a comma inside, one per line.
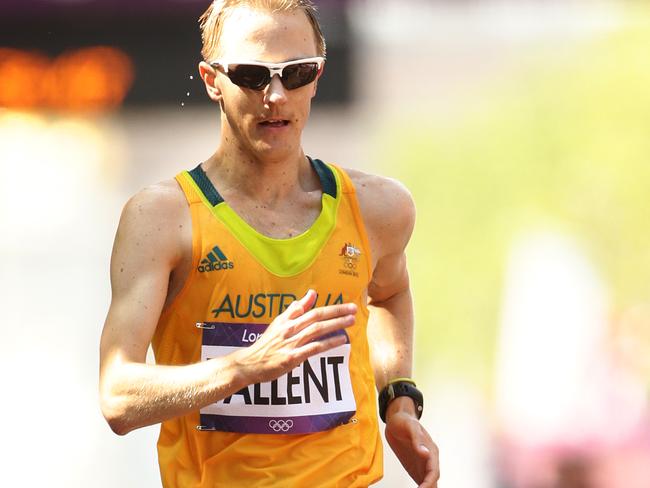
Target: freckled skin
(156,222)
(255,35)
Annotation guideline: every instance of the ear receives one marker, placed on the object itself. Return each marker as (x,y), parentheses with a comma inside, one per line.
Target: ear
(320,73)
(209,76)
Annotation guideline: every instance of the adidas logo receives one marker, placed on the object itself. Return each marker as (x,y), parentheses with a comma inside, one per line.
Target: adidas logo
(215,261)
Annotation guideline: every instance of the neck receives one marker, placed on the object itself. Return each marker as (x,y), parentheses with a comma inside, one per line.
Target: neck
(259,178)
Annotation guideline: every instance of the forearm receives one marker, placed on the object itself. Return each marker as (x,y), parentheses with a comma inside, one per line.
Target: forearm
(391,336)
(135,395)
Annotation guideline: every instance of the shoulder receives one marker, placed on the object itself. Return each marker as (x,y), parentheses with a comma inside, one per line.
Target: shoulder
(387,208)
(162,197)
(156,215)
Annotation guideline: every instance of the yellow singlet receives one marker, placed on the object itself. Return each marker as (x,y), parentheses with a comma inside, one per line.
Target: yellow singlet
(315,426)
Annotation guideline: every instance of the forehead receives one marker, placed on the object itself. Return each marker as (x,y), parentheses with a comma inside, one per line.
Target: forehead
(257,35)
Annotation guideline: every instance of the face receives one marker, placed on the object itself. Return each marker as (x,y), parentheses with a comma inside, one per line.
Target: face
(264,124)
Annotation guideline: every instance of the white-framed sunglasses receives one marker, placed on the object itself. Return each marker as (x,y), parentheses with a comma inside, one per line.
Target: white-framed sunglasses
(256,75)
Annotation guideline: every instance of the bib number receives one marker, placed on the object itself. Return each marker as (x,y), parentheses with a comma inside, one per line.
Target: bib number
(313,397)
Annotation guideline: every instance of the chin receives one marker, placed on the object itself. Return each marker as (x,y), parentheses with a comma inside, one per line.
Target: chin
(275,150)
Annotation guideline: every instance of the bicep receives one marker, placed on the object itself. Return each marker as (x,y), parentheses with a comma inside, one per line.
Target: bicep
(389,278)
(132,317)
(141,263)
(390,274)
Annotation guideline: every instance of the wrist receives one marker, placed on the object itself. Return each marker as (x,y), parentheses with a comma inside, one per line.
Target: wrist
(228,375)
(404,389)
(401,405)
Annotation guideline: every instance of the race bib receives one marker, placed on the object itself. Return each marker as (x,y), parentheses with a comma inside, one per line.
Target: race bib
(315,396)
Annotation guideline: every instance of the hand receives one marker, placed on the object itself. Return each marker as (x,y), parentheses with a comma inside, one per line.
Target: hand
(413,446)
(294,336)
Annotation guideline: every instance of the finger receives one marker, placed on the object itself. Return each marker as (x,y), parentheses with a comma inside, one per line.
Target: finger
(317,347)
(430,478)
(432,474)
(428,482)
(308,300)
(302,305)
(321,314)
(322,328)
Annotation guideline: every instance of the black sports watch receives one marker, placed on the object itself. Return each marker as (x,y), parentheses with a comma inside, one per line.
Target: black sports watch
(398,389)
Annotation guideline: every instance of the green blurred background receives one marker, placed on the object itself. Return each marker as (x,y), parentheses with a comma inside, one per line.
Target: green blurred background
(561,140)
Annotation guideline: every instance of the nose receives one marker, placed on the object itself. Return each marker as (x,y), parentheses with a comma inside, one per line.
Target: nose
(275,93)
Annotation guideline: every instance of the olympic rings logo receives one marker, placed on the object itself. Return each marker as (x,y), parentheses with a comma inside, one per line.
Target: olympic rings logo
(281,425)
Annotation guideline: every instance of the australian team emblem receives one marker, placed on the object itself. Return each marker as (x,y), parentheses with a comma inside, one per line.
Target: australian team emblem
(350,255)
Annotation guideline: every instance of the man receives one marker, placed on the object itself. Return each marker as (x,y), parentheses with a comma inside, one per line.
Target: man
(261,277)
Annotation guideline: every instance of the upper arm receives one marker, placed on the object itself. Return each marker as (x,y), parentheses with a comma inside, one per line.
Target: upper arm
(389,216)
(146,249)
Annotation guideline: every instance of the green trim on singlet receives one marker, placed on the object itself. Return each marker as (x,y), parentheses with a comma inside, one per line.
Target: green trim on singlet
(282,257)
(326,175)
(206,186)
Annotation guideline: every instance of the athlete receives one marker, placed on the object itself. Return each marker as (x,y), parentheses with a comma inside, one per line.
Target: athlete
(272,286)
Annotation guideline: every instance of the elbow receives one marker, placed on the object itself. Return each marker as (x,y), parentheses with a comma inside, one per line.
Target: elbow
(118,426)
(116,403)
(116,415)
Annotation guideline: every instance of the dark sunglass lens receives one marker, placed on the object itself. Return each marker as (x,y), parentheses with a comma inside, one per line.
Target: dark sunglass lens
(249,76)
(297,75)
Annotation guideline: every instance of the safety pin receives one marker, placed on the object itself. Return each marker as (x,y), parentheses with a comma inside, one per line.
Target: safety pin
(203,325)
(204,428)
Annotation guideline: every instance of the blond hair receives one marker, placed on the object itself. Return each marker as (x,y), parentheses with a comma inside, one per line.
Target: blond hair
(211,22)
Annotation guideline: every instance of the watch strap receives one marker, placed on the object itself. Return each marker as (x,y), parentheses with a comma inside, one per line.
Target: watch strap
(397,388)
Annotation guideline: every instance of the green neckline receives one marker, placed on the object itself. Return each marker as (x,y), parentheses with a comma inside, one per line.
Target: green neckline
(281,257)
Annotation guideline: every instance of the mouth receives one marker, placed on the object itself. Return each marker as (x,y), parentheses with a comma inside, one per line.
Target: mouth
(274,123)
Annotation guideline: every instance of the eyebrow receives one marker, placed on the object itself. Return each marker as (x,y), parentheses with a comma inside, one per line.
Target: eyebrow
(274,62)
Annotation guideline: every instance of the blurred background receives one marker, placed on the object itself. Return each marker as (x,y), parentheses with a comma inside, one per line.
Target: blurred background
(522,129)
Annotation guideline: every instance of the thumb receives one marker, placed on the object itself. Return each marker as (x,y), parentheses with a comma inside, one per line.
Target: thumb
(302,305)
